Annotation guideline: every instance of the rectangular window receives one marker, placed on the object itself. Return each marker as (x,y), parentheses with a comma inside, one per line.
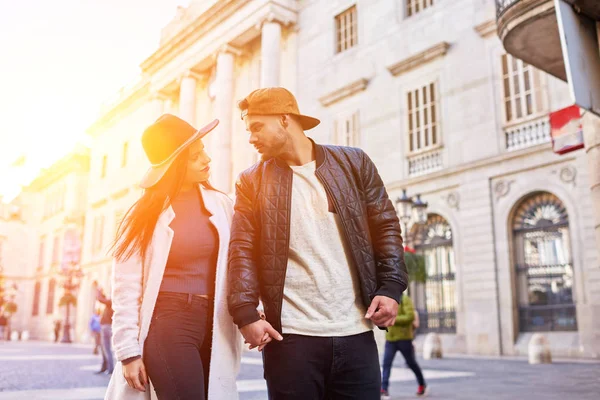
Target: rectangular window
(41,251)
(347,131)
(36,299)
(51,294)
(415,6)
(346,28)
(522,90)
(124,156)
(104,166)
(56,250)
(423,125)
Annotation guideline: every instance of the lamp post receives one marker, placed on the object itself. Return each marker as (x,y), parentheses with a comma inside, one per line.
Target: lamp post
(72,276)
(7,301)
(411,211)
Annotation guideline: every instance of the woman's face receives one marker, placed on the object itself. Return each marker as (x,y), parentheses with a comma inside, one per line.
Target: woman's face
(198,169)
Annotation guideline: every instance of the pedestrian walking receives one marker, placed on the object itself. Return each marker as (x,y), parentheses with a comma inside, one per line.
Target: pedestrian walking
(399,338)
(108,364)
(316,238)
(171,331)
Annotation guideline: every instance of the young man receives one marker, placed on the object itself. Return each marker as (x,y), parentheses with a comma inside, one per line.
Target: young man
(316,238)
(399,338)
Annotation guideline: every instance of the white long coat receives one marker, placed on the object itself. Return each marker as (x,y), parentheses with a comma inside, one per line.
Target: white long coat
(136,287)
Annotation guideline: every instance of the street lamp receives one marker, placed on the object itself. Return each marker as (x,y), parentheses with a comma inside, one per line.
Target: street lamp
(411,211)
(72,276)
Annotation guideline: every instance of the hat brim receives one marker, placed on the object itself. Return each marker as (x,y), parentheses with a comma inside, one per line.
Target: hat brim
(307,122)
(156,172)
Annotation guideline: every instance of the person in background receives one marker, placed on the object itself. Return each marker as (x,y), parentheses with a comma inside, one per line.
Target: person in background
(95,331)
(3,323)
(399,338)
(106,332)
(57,326)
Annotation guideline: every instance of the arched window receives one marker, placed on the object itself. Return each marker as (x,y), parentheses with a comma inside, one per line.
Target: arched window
(544,269)
(437,302)
(51,294)
(36,299)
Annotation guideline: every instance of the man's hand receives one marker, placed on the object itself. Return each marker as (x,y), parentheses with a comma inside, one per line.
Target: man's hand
(259,334)
(383,311)
(135,375)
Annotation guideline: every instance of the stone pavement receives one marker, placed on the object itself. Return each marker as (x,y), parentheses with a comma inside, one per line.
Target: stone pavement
(50,371)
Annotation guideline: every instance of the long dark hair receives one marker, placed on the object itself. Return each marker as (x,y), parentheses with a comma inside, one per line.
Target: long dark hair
(137,227)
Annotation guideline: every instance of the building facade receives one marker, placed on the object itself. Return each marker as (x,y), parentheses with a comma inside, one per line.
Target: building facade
(46,224)
(426,88)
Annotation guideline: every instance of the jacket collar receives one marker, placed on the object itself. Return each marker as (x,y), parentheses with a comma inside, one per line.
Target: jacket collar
(319,155)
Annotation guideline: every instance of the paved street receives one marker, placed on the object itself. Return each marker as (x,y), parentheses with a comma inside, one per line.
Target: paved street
(50,371)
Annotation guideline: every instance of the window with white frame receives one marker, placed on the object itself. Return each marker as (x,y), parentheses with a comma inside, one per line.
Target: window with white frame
(347,131)
(523,90)
(415,6)
(346,29)
(423,121)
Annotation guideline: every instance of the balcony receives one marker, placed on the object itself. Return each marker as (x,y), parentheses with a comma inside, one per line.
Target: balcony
(529,31)
(426,162)
(527,134)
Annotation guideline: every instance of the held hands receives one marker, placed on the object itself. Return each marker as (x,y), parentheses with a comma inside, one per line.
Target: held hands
(259,334)
(383,311)
(135,375)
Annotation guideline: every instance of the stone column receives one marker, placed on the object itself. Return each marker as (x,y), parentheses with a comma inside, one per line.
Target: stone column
(591,132)
(224,108)
(187,98)
(270,49)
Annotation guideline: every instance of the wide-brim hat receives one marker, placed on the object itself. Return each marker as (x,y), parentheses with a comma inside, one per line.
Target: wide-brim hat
(275,101)
(164,140)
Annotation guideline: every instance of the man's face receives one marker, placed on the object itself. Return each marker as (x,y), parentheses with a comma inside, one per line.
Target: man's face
(267,134)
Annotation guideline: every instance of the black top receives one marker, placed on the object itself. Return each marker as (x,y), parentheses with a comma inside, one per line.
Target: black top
(192,259)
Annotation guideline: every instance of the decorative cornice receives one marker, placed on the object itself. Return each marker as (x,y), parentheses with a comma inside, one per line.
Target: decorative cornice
(343,92)
(227,48)
(76,161)
(139,91)
(487,28)
(274,17)
(191,33)
(419,59)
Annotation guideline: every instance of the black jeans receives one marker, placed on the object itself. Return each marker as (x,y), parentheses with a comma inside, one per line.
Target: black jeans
(408,352)
(323,368)
(177,350)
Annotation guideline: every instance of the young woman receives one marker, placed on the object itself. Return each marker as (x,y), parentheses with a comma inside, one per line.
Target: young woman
(172,332)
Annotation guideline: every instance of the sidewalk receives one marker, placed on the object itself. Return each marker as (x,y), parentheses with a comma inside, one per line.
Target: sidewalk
(501,378)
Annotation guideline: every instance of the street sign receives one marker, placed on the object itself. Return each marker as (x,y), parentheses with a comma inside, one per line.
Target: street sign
(566,130)
(581,53)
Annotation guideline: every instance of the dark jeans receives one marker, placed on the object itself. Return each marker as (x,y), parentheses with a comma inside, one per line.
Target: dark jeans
(408,352)
(107,353)
(177,350)
(323,368)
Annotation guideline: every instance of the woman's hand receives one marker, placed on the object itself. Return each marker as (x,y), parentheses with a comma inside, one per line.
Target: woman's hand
(135,375)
